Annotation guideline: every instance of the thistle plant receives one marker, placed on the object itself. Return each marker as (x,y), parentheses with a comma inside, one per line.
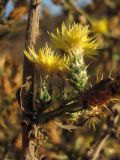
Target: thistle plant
(62,94)
(65,63)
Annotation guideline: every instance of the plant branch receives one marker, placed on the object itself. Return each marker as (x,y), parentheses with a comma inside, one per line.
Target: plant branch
(100,146)
(32,33)
(100,94)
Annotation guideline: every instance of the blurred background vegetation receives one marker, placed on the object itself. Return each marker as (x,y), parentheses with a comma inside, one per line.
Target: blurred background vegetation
(103,16)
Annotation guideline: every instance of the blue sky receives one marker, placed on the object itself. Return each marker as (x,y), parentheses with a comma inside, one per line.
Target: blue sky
(54,9)
(9,7)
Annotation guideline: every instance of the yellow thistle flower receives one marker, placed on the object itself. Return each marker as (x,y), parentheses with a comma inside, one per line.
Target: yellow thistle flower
(51,61)
(74,38)
(100,26)
(47,59)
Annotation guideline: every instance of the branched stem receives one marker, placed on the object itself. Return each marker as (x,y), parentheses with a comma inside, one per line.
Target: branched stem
(100,94)
(32,33)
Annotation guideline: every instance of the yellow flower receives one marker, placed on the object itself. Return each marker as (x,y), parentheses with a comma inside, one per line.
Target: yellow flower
(74,38)
(47,59)
(100,26)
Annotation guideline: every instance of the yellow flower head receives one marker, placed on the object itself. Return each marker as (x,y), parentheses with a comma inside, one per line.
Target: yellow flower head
(100,26)
(74,38)
(47,59)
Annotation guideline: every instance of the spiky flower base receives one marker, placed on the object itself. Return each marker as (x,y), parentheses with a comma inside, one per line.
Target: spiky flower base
(78,72)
